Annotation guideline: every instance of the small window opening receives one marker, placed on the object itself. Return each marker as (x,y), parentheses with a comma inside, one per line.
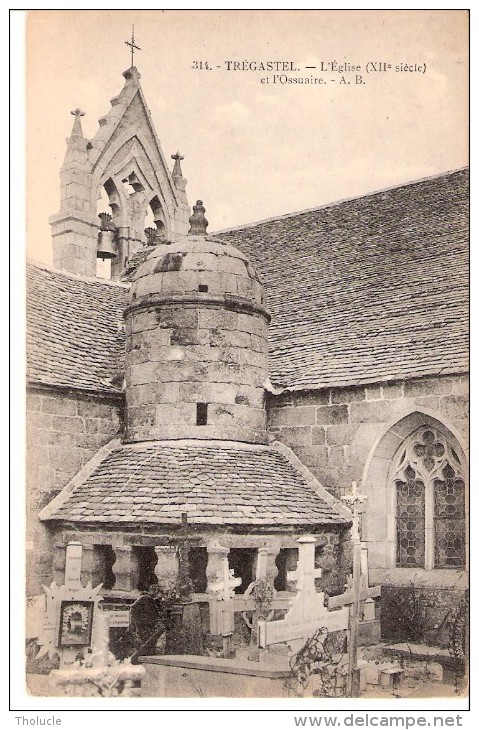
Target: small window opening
(106,558)
(203,287)
(286,560)
(243,563)
(198,559)
(201,414)
(147,560)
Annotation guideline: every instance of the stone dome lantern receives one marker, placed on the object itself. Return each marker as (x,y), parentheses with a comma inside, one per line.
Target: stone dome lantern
(196,360)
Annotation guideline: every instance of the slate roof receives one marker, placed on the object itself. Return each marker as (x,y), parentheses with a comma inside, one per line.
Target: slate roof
(75,330)
(369,289)
(155,482)
(365,290)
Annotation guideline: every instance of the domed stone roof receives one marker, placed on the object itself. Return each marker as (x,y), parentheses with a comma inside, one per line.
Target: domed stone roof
(199,266)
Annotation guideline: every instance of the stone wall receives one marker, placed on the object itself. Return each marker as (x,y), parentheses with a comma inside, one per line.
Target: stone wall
(179,356)
(63,433)
(353,434)
(333,430)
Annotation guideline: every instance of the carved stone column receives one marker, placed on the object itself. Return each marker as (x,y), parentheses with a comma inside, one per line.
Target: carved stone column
(167,567)
(266,564)
(125,568)
(91,568)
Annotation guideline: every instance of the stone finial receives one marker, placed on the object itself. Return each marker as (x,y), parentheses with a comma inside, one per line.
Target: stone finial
(198,222)
(177,171)
(77,129)
(131,75)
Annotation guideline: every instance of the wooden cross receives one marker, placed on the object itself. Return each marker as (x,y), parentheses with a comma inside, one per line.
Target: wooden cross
(366,593)
(358,589)
(131,44)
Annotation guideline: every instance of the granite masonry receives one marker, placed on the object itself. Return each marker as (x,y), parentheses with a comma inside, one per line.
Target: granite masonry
(218,395)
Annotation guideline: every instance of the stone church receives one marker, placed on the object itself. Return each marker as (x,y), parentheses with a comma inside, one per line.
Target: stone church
(218,394)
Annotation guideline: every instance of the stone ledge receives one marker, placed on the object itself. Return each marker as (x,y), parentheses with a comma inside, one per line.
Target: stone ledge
(421,578)
(215,664)
(421,652)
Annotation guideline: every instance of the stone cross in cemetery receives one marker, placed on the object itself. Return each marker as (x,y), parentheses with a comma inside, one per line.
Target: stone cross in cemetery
(307,612)
(223,587)
(71,624)
(358,590)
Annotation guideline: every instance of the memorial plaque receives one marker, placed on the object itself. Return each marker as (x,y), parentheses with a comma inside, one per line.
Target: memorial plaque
(76,621)
(119,619)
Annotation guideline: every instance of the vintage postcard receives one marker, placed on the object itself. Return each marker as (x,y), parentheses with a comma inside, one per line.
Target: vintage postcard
(247,358)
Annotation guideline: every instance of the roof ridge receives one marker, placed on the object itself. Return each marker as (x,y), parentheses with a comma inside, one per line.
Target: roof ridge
(334,203)
(197,443)
(78,277)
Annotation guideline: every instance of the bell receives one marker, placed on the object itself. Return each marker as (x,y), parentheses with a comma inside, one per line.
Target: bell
(106,247)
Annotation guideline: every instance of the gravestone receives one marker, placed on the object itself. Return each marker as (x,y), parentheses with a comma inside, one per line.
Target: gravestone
(71,626)
(307,612)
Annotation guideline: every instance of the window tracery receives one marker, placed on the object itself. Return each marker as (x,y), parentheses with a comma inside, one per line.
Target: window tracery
(430,503)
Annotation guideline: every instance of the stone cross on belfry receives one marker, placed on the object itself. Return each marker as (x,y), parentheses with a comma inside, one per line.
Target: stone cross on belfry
(77,130)
(132,44)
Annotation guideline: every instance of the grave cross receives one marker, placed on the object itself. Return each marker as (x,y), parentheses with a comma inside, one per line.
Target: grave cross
(307,611)
(358,589)
(224,590)
(305,572)
(366,592)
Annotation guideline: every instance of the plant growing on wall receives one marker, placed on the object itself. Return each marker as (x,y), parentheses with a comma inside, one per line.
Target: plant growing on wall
(457,626)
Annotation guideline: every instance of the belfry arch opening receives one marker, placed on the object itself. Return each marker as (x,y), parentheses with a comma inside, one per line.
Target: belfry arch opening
(108,211)
(155,228)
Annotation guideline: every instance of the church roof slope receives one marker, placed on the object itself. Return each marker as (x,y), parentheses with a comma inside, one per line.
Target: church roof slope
(75,330)
(214,483)
(363,291)
(369,289)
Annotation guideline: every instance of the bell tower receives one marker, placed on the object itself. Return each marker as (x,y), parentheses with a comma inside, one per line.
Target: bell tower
(124,162)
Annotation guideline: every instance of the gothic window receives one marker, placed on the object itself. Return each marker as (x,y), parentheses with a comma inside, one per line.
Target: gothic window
(430,503)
